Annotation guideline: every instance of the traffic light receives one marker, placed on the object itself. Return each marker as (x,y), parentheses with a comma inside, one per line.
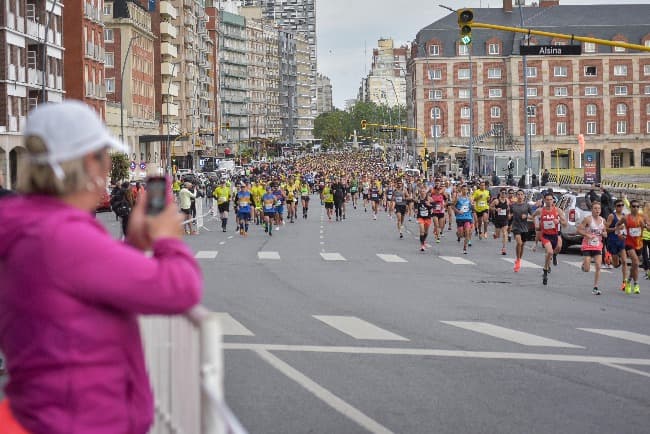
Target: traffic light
(227,125)
(364,124)
(465,19)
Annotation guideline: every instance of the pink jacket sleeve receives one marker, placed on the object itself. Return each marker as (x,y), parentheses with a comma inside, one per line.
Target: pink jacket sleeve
(87,263)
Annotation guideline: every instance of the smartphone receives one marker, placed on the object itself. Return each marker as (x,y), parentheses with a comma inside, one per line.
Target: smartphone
(158,196)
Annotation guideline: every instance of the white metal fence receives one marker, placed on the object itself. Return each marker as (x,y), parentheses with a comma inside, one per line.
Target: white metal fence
(185,364)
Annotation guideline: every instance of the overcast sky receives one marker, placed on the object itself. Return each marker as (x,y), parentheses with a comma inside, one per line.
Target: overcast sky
(348,30)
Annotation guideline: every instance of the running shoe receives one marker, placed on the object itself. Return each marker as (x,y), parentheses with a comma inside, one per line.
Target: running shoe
(464,251)
(458,238)
(623,285)
(545,277)
(401,235)
(469,243)
(449,228)
(494,235)
(554,258)
(509,238)
(503,251)
(517,265)
(595,291)
(637,290)
(422,249)
(628,287)
(485,236)
(374,217)
(437,240)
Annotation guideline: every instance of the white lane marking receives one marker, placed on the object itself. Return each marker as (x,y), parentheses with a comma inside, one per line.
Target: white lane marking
(321,237)
(323,394)
(524,263)
(332,256)
(592,268)
(492,355)
(221,243)
(457,260)
(621,334)
(206,254)
(390,258)
(509,334)
(358,328)
(627,369)
(230,237)
(322,242)
(268,255)
(321,232)
(231,327)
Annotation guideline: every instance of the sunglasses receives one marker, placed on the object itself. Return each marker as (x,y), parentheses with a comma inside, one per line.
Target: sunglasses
(619,204)
(634,206)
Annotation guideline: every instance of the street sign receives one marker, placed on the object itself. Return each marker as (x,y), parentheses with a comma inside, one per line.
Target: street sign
(550,50)
(387,130)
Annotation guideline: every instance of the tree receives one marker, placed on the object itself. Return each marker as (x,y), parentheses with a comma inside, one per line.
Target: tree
(333,127)
(119,167)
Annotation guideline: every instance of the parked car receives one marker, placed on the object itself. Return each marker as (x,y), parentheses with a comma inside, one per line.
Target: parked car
(104,203)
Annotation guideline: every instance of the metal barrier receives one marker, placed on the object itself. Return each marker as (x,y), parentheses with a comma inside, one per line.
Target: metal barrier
(570,180)
(185,365)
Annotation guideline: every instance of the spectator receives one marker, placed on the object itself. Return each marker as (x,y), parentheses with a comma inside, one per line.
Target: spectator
(121,205)
(534,181)
(70,293)
(522,182)
(495,178)
(592,196)
(545,177)
(606,203)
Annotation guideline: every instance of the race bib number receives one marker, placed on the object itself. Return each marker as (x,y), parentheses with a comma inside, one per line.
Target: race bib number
(424,212)
(399,198)
(374,195)
(502,211)
(278,203)
(222,199)
(464,208)
(594,242)
(549,224)
(482,204)
(437,207)
(635,232)
(268,207)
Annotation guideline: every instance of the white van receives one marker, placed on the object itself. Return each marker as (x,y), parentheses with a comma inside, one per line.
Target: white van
(413,172)
(227,165)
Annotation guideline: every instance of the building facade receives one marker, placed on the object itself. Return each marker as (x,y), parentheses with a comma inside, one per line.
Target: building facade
(324,91)
(461,92)
(386,81)
(31,70)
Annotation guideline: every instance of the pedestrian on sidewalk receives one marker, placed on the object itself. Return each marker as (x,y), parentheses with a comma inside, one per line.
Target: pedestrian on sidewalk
(70,293)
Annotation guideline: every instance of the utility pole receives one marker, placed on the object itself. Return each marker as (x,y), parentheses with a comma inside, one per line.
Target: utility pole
(527,150)
(470,152)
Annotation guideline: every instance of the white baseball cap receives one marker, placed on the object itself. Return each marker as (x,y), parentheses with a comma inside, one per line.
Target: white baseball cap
(68,130)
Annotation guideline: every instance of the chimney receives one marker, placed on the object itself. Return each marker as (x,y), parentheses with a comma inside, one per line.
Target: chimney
(548,3)
(507,5)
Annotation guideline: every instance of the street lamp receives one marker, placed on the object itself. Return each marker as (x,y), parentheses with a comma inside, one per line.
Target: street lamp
(126,57)
(168,156)
(47,27)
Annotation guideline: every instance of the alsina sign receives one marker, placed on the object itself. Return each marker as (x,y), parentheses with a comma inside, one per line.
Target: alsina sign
(550,50)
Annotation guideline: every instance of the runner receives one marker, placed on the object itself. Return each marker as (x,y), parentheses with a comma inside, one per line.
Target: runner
(222,195)
(390,205)
(592,229)
(481,199)
(400,198)
(327,197)
(550,218)
(464,221)
(354,191)
(519,212)
(279,205)
(450,190)
(365,190)
(616,241)
(304,197)
(291,191)
(424,207)
(375,197)
(438,202)
(268,207)
(501,211)
(244,202)
(634,224)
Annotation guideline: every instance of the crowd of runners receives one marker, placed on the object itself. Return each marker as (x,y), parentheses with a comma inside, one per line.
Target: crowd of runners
(275,194)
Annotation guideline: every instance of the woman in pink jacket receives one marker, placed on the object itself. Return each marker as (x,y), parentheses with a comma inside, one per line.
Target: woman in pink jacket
(70,294)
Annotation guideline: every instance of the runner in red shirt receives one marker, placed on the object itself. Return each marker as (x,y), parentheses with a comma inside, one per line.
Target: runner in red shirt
(634,224)
(550,219)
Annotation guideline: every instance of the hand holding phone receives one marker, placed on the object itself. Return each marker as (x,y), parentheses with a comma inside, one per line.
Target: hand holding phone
(158,196)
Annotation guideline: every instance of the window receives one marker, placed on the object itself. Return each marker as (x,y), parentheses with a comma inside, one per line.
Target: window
(647,127)
(591,91)
(463,50)
(463,74)
(561,91)
(646,90)
(110,85)
(559,71)
(620,90)
(495,93)
(465,112)
(646,69)
(435,94)
(647,109)
(621,127)
(434,50)
(531,110)
(531,71)
(591,109)
(495,112)
(493,49)
(109,60)
(561,110)
(621,109)
(108,9)
(532,129)
(589,47)
(108,35)
(591,71)
(494,72)
(591,128)
(619,49)
(464,130)
(531,91)
(435,74)
(463,93)
(620,70)
(435,113)
(617,160)
(561,129)
(436,130)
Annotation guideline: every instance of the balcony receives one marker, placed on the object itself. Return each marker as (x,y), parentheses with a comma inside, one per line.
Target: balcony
(169,109)
(168,10)
(167,68)
(170,89)
(35,30)
(189,4)
(34,76)
(168,50)
(168,30)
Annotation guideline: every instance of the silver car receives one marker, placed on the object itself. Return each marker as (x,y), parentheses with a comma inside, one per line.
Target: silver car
(575,208)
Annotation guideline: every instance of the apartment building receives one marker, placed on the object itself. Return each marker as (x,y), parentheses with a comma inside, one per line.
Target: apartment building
(31,70)
(130,82)
(324,92)
(304,85)
(288,82)
(603,94)
(84,44)
(272,111)
(256,74)
(386,81)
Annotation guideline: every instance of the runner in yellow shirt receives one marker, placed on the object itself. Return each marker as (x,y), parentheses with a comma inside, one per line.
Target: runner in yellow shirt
(222,196)
(481,200)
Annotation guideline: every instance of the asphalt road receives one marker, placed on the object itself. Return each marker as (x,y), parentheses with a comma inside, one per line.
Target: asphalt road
(421,344)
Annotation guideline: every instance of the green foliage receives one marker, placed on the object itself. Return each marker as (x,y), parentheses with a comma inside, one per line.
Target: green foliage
(119,167)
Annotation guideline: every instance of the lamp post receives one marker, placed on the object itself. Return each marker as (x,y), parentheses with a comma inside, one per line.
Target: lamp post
(126,57)
(47,28)
(527,150)
(470,153)
(168,156)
